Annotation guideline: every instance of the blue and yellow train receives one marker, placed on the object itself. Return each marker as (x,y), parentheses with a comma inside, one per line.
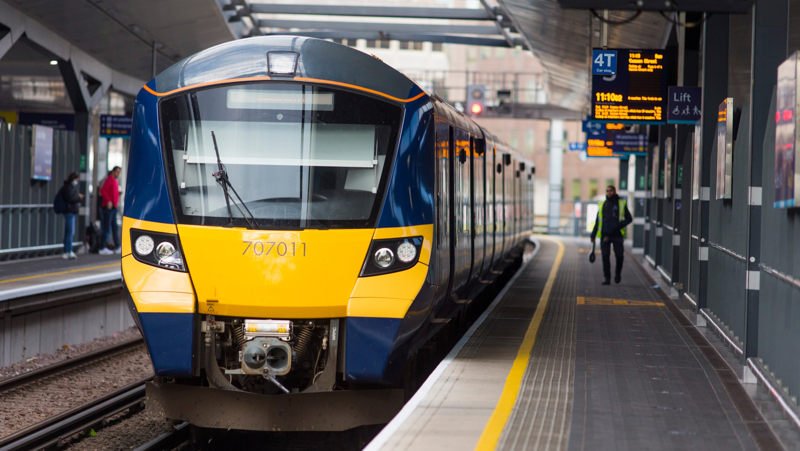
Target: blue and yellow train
(300,219)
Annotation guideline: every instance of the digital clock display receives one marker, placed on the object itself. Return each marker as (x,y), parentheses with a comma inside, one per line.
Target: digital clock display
(637,93)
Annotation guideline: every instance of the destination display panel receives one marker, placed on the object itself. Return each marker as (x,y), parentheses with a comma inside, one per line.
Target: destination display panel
(611,140)
(636,93)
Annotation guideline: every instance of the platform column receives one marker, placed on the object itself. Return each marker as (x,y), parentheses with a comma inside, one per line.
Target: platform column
(556,165)
(637,205)
(715,90)
(770,34)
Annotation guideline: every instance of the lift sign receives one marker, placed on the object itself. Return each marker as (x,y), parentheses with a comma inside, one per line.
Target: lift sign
(604,62)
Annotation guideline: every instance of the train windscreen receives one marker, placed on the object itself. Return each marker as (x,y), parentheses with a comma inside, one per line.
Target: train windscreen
(296,156)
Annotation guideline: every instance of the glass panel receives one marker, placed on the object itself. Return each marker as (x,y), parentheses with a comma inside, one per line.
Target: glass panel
(298,156)
(592,189)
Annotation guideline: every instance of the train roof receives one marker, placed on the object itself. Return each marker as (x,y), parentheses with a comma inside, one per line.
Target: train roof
(318,60)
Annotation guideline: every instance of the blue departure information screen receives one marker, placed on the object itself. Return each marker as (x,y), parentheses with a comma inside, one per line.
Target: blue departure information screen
(636,93)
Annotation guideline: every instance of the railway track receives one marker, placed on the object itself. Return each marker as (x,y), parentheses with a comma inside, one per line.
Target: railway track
(167,440)
(92,414)
(68,364)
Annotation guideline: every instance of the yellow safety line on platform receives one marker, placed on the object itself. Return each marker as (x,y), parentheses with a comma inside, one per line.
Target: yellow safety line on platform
(497,422)
(608,301)
(59,273)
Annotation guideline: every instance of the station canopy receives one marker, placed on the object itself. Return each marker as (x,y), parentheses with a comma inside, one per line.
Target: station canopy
(562,39)
(121,33)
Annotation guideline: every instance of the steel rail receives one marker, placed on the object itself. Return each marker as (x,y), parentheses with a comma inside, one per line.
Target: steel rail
(168,440)
(86,416)
(68,364)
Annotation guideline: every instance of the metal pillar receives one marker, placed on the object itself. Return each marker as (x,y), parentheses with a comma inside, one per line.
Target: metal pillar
(639,189)
(715,90)
(770,34)
(623,175)
(556,166)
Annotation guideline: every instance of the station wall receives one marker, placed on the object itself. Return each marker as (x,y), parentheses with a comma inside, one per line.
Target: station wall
(28,225)
(46,328)
(739,258)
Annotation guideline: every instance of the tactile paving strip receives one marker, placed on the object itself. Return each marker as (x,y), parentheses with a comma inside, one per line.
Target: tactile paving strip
(541,416)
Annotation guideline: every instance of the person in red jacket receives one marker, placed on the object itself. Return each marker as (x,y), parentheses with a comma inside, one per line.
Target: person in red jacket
(110,193)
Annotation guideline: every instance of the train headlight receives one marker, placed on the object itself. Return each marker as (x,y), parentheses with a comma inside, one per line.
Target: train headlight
(164,250)
(166,254)
(144,245)
(391,255)
(406,252)
(384,257)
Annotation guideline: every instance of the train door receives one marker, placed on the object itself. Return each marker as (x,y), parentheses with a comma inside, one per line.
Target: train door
(514,178)
(491,226)
(453,208)
(460,194)
(443,251)
(518,201)
(472,203)
(501,206)
(478,207)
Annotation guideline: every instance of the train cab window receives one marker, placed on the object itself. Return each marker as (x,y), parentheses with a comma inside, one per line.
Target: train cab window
(298,156)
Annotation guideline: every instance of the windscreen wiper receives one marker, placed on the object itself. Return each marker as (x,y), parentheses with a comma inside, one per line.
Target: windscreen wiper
(221,177)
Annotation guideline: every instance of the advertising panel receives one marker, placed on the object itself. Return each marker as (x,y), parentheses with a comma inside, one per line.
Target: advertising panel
(667,168)
(696,161)
(725,149)
(591,216)
(42,155)
(654,183)
(786,170)
(636,93)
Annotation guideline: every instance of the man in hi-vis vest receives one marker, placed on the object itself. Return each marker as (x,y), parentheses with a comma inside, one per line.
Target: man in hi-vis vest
(612,218)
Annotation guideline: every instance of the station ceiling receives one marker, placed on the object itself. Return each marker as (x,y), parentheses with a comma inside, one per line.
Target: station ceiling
(120,33)
(563,39)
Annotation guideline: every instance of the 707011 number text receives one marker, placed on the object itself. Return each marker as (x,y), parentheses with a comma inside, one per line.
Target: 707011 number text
(280,248)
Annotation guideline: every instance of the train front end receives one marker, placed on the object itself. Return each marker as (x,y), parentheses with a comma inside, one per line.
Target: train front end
(258,253)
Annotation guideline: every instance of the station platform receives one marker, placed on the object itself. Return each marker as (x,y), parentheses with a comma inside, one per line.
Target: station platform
(559,361)
(26,278)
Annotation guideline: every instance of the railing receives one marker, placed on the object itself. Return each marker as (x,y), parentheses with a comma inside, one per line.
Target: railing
(31,229)
(28,225)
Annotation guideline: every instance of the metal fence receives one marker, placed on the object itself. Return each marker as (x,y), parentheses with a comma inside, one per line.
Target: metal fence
(28,225)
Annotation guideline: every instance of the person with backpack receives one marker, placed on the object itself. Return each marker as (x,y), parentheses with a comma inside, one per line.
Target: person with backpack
(68,201)
(110,193)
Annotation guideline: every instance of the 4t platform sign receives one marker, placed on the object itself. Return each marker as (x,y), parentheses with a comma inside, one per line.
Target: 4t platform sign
(604,62)
(636,93)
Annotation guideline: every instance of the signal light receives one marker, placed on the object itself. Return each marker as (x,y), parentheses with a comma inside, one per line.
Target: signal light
(476,98)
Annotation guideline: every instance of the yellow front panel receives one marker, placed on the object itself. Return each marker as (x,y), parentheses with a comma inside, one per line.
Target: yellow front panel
(379,307)
(398,285)
(274,274)
(157,290)
(163,302)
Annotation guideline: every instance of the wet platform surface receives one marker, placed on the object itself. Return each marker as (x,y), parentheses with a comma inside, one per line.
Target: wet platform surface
(562,362)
